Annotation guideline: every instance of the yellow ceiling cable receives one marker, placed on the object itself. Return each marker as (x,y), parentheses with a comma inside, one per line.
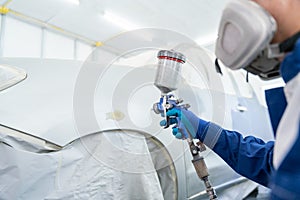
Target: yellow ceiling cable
(4,10)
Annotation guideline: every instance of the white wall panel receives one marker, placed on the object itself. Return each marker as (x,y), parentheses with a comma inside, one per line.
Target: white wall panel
(0,22)
(58,46)
(83,50)
(21,39)
(1,35)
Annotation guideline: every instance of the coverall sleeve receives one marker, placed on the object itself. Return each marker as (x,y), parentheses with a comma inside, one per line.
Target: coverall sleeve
(249,156)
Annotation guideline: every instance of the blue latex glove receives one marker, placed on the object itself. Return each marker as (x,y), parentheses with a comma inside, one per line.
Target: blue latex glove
(186,123)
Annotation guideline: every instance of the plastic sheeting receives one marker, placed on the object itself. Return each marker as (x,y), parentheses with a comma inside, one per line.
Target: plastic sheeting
(93,167)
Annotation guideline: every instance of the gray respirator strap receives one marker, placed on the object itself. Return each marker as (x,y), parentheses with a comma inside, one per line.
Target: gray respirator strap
(217,66)
(277,50)
(288,44)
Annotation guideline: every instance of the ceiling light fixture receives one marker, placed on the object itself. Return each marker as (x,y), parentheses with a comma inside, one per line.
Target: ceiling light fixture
(119,21)
(75,2)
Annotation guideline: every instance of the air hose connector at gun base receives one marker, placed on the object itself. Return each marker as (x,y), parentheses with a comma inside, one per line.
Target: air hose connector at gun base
(202,171)
(166,80)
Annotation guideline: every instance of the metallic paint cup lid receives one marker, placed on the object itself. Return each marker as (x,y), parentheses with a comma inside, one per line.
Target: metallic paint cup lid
(171,55)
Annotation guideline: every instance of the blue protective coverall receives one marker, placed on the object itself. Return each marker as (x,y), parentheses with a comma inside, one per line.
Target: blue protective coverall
(252,157)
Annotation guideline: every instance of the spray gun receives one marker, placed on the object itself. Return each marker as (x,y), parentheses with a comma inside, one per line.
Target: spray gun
(166,80)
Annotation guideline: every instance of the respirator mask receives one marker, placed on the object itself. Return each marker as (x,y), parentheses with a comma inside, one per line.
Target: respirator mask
(245,32)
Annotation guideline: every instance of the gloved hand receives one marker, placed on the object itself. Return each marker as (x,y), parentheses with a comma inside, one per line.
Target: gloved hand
(187,124)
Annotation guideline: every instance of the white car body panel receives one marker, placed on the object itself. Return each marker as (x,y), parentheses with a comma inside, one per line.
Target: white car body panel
(41,110)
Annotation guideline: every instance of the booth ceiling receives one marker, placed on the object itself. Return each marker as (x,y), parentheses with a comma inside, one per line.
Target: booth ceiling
(198,19)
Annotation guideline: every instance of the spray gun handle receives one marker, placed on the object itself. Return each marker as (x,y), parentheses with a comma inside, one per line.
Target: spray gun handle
(163,106)
(167,102)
